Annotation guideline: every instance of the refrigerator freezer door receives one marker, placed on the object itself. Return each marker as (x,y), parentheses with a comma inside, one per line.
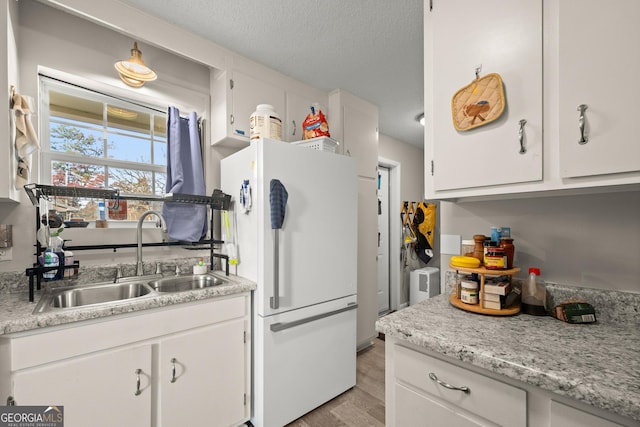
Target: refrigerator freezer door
(303,358)
(318,239)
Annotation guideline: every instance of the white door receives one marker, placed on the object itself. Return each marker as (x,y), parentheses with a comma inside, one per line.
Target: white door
(95,390)
(503,37)
(302,359)
(383,240)
(590,41)
(318,240)
(202,376)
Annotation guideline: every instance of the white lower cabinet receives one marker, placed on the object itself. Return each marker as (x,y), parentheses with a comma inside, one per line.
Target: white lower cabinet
(562,415)
(423,390)
(200,379)
(180,366)
(95,390)
(424,395)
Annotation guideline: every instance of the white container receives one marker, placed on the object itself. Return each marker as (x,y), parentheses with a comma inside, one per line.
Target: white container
(469,292)
(424,283)
(265,123)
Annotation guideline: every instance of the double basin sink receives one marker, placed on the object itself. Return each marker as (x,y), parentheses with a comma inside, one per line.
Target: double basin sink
(102,294)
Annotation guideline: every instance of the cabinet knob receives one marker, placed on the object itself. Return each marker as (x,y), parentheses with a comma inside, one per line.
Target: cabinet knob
(463,389)
(582,124)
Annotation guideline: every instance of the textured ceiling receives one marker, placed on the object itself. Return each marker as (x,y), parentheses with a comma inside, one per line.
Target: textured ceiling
(371,48)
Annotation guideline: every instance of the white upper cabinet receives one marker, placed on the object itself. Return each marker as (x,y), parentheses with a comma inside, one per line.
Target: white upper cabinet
(553,57)
(599,60)
(235,96)
(8,77)
(353,122)
(503,37)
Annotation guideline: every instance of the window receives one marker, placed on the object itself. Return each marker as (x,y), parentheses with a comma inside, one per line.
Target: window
(94,140)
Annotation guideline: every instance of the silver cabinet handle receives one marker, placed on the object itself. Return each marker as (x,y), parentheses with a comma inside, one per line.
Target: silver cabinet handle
(294,127)
(581,124)
(173,370)
(138,391)
(521,136)
(463,389)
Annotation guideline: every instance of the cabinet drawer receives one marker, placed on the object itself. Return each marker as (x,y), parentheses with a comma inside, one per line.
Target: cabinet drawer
(487,398)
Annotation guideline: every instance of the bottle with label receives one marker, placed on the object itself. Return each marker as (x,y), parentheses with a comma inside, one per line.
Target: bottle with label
(534,295)
(54,256)
(265,123)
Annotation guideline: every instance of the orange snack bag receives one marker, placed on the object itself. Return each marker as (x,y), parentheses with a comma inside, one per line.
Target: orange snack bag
(315,124)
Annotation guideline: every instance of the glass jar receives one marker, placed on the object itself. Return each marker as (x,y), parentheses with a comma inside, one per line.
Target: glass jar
(506,243)
(495,259)
(469,292)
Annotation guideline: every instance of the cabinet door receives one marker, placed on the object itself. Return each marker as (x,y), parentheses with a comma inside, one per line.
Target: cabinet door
(565,416)
(599,61)
(247,93)
(360,139)
(298,107)
(203,376)
(95,390)
(503,37)
(413,409)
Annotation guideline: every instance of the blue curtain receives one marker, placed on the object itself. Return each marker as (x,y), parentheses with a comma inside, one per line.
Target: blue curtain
(185,222)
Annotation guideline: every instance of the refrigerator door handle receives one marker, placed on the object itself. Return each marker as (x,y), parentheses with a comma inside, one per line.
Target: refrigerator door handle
(278,326)
(274,302)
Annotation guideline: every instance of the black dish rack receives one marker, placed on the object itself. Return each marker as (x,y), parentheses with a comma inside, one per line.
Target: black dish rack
(217,201)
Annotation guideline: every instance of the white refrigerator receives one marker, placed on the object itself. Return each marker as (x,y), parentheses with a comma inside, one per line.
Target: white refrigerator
(304,308)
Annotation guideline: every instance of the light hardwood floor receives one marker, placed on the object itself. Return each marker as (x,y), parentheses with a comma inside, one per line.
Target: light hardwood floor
(363,405)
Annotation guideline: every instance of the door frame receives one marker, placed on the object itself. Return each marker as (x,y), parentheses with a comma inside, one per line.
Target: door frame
(395,235)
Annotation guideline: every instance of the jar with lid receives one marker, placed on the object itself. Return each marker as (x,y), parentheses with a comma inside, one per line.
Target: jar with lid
(265,123)
(467,248)
(506,243)
(469,291)
(486,245)
(495,259)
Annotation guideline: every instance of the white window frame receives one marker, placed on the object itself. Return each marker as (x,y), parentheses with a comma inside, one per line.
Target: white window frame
(48,156)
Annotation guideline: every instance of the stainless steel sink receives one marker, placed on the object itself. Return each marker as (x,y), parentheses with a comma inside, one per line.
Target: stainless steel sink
(186,283)
(81,296)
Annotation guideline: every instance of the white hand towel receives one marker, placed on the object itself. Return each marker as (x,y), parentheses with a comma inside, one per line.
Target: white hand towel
(26,139)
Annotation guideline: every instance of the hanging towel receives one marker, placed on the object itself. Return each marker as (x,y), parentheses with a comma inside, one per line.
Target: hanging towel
(185,222)
(26,140)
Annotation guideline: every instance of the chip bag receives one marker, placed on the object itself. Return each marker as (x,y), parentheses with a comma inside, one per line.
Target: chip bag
(315,124)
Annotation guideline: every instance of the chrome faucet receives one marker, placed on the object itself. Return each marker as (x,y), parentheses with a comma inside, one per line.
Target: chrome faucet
(139,269)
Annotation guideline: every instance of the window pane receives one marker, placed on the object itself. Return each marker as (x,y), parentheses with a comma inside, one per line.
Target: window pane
(160,125)
(131,181)
(160,152)
(69,138)
(77,175)
(160,183)
(128,120)
(123,147)
(73,107)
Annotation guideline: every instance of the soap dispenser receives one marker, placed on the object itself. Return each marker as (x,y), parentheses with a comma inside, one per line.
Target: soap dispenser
(534,295)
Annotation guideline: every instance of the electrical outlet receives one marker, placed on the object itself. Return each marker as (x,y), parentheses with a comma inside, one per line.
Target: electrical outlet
(6,254)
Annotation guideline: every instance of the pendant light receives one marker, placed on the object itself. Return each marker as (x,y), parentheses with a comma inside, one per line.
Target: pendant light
(133,71)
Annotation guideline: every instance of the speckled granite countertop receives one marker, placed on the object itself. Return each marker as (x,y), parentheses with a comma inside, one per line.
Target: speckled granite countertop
(16,310)
(598,364)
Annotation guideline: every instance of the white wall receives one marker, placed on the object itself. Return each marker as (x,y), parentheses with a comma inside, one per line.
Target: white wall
(590,241)
(411,159)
